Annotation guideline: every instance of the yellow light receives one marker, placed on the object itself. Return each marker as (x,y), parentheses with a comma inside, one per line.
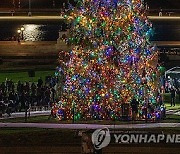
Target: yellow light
(19,31)
(22,28)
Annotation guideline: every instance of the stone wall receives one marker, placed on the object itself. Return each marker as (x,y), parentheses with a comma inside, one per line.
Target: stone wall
(30,48)
(29,55)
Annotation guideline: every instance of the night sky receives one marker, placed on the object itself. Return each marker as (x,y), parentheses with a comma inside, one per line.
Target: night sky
(164,4)
(154,4)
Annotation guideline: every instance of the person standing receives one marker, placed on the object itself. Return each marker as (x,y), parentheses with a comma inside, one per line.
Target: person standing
(134,106)
(160,13)
(1,108)
(178,93)
(173,94)
(40,82)
(53,94)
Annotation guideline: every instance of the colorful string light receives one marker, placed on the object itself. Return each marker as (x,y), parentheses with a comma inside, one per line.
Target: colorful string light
(112,60)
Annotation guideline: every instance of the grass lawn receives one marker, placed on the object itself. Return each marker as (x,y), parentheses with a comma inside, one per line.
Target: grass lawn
(19,137)
(35,119)
(23,76)
(169,107)
(167,101)
(167,98)
(172,119)
(37,137)
(34,137)
(37,140)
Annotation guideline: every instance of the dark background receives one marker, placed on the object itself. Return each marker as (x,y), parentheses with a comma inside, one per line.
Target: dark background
(164,4)
(153,4)
(35,3)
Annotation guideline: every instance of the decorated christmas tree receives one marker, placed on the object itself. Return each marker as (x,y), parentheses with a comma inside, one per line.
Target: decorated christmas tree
(111,62)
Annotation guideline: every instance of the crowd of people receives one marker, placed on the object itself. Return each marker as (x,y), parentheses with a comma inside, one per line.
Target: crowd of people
(172,86)
(16,97)
(171,83)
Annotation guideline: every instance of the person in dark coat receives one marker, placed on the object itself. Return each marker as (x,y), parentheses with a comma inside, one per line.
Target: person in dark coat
(178,92)
(1,109)
(134,106)
(173,94)
(40,82)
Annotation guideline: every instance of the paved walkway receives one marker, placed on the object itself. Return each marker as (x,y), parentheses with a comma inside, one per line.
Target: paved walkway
(173,112)
(40,113)
(88,126)
(82,126)
(22,114)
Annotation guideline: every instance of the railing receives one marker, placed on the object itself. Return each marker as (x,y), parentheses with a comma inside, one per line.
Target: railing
(40,108)
(8,12)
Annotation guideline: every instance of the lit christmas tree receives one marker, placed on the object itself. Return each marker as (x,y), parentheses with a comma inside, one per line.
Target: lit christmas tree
(111,62)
